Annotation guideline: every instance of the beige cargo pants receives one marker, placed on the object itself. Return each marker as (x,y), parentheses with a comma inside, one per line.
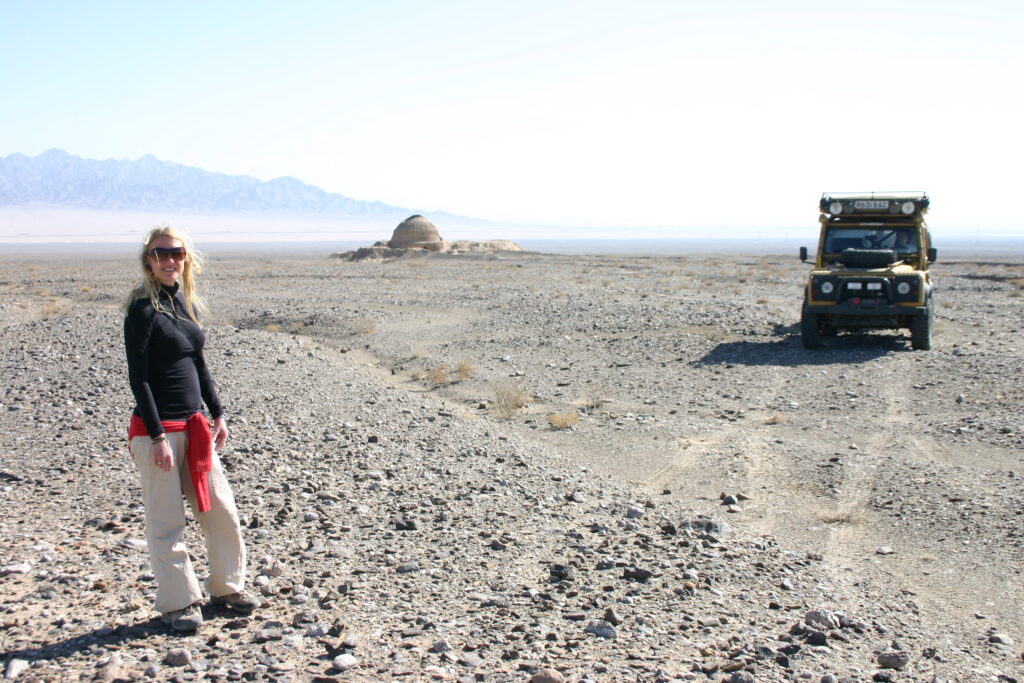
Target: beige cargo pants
(177,586)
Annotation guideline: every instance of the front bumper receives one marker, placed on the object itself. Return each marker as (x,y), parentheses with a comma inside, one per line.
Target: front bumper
(867,314)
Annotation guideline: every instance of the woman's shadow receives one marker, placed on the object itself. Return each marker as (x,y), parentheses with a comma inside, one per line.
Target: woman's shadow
(108,636)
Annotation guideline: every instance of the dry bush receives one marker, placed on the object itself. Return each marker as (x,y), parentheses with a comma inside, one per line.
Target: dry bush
(464,413)
(85,289)
(419,351)
(774,419)
(509,396)
(848,517)
(51,309)
(762,300)
(563,420)
(438,376)
(465,369)
(419,374)
(595,398)
(713,333)
(946,304)
(365,325)
(272,328)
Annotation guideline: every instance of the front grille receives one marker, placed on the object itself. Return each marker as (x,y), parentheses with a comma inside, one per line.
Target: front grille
(873,291)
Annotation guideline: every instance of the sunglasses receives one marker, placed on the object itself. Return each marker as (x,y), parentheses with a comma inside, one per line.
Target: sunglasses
(168,253)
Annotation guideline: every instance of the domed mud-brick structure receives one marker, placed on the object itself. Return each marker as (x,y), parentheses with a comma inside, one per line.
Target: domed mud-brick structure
(416,232)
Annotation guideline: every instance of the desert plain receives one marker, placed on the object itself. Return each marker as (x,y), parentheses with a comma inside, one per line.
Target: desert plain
(530,467)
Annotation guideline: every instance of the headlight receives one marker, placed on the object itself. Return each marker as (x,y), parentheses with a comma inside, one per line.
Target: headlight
(875,285)
(835,208)
(903,288)
(827,287)
(853,285)
(894,207)
(907,208)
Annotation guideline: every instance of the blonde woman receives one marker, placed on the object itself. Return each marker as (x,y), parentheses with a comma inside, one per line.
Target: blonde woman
(171,440)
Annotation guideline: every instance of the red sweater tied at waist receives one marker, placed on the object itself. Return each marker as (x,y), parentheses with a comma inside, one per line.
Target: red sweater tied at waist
(200,450)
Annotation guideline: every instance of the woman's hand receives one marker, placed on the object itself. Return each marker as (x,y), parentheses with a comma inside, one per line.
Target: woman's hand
(162,455)
(220,433)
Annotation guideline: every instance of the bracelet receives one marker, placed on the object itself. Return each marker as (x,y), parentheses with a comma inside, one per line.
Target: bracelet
(162,437)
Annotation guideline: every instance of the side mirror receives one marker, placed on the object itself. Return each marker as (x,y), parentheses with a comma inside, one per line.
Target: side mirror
(803,254)
(933,254)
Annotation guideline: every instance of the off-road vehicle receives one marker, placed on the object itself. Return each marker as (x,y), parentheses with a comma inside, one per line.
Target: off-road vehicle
(871,269)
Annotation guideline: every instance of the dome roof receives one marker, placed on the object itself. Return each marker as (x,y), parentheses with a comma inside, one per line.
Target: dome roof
(416,232)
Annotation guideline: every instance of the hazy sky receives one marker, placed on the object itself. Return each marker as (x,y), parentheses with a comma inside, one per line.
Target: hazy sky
(649,113)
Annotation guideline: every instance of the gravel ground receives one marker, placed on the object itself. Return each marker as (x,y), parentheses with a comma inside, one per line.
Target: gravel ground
(530,467)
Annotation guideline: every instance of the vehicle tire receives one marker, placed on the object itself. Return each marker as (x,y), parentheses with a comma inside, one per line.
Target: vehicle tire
(921,330)
(810,331)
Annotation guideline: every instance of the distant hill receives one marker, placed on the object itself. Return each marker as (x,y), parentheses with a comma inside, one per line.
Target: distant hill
(56,178)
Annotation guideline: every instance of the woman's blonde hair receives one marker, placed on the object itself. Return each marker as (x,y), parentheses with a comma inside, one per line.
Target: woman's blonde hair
(150,289)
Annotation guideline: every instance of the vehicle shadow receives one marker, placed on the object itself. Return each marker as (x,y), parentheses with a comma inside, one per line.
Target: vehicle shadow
(788,351)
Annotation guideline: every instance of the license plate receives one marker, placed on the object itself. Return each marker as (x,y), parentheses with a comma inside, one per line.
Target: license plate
(871,204)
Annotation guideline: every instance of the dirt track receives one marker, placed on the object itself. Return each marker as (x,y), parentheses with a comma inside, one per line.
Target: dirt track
(705,389)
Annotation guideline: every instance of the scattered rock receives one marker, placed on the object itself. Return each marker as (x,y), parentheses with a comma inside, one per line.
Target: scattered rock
(897,659)
(178,657)
(547,676)
(601,629)
(113,670)
(15,667)
(344,662)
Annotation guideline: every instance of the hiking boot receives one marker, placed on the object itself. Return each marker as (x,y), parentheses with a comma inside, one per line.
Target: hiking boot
(240,601)
(187,619)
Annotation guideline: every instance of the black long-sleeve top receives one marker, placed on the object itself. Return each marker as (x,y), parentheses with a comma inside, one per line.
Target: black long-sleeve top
(166,368)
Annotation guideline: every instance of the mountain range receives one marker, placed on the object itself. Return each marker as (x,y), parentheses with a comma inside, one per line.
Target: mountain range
(56,178)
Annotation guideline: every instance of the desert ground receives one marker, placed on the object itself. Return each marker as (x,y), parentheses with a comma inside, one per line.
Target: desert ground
(530,467)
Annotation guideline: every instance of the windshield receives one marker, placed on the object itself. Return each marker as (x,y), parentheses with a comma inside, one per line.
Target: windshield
(900,240)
